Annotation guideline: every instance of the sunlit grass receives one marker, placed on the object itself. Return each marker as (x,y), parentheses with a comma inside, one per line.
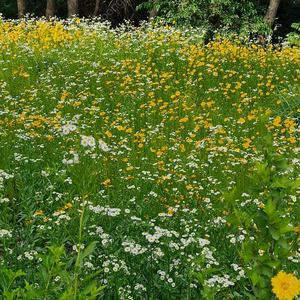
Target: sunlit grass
(143,127)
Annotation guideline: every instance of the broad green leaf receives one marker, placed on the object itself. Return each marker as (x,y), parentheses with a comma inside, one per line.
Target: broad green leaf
(282,222)
(263,170)
(270,208)
(287,229)
(249,296)
(267,271)
(199,276)
(283,243)
(275,233)
(254,189)
(95,290)
(261,221)
(281,182)
(85,217)
(296,184)
(249,219)
(19,273)
(44,274)
(65,276)
(231,196)
(57,251)
(232,219)
(272,263)
(12,275)
(209,271)
(90,277)
(88,250)
(89,287)
(67,295)
(255,278)
(268,138)
(281,164)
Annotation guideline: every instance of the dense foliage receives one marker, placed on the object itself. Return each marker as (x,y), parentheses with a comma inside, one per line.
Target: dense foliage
(144,163)
(240,17)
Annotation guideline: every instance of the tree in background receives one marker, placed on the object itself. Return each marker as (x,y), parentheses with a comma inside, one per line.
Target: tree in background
(8,8)
(272,12)
(97,8)
(21,8)
(73,8)
(242,17)
(50,10)
(247,18)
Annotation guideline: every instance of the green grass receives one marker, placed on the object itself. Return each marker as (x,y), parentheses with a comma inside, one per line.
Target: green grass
(179,119)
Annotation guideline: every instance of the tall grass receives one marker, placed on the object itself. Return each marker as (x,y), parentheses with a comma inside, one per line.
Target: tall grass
(115,146)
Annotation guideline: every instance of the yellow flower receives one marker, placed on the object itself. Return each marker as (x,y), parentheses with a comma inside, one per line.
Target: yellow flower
(285,286)
(241,120)
(106,181)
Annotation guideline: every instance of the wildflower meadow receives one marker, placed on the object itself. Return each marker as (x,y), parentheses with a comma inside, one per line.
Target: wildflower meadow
(144,163)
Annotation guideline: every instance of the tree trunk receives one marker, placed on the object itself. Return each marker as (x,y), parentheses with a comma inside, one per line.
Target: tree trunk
(21,8)
(73,8)
(153,13)
(97,7)
(271,12)
(50,10)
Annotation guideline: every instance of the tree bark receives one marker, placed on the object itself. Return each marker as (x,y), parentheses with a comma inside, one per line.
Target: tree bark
(153,13)
(50,10)
(73,8)
(270,16)
(21,8)
(97,7)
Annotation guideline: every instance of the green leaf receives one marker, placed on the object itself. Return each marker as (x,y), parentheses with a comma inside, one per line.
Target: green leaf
(57,251)
(254,189)
(67,295)
(282,221)
(44,274)
(296,184)
(286,229)
(88,250)
(12,275)
(249,219)
(281,164)
(267,271)
(254,277)
(270,208)
(85,217)
(89,287)
(231,196)
(261,221)
(268,138)
(90,277)
(272,263)
(209,271)
(281,182)
(232,219)
(199,277)
(263,170)
(96,291)
(250,297)
(65,276)
(275,233)
(19,273)
(283,243)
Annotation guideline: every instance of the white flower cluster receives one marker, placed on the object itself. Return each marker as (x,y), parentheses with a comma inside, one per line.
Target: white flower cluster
(67,128)
(4,232)
(4,175)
